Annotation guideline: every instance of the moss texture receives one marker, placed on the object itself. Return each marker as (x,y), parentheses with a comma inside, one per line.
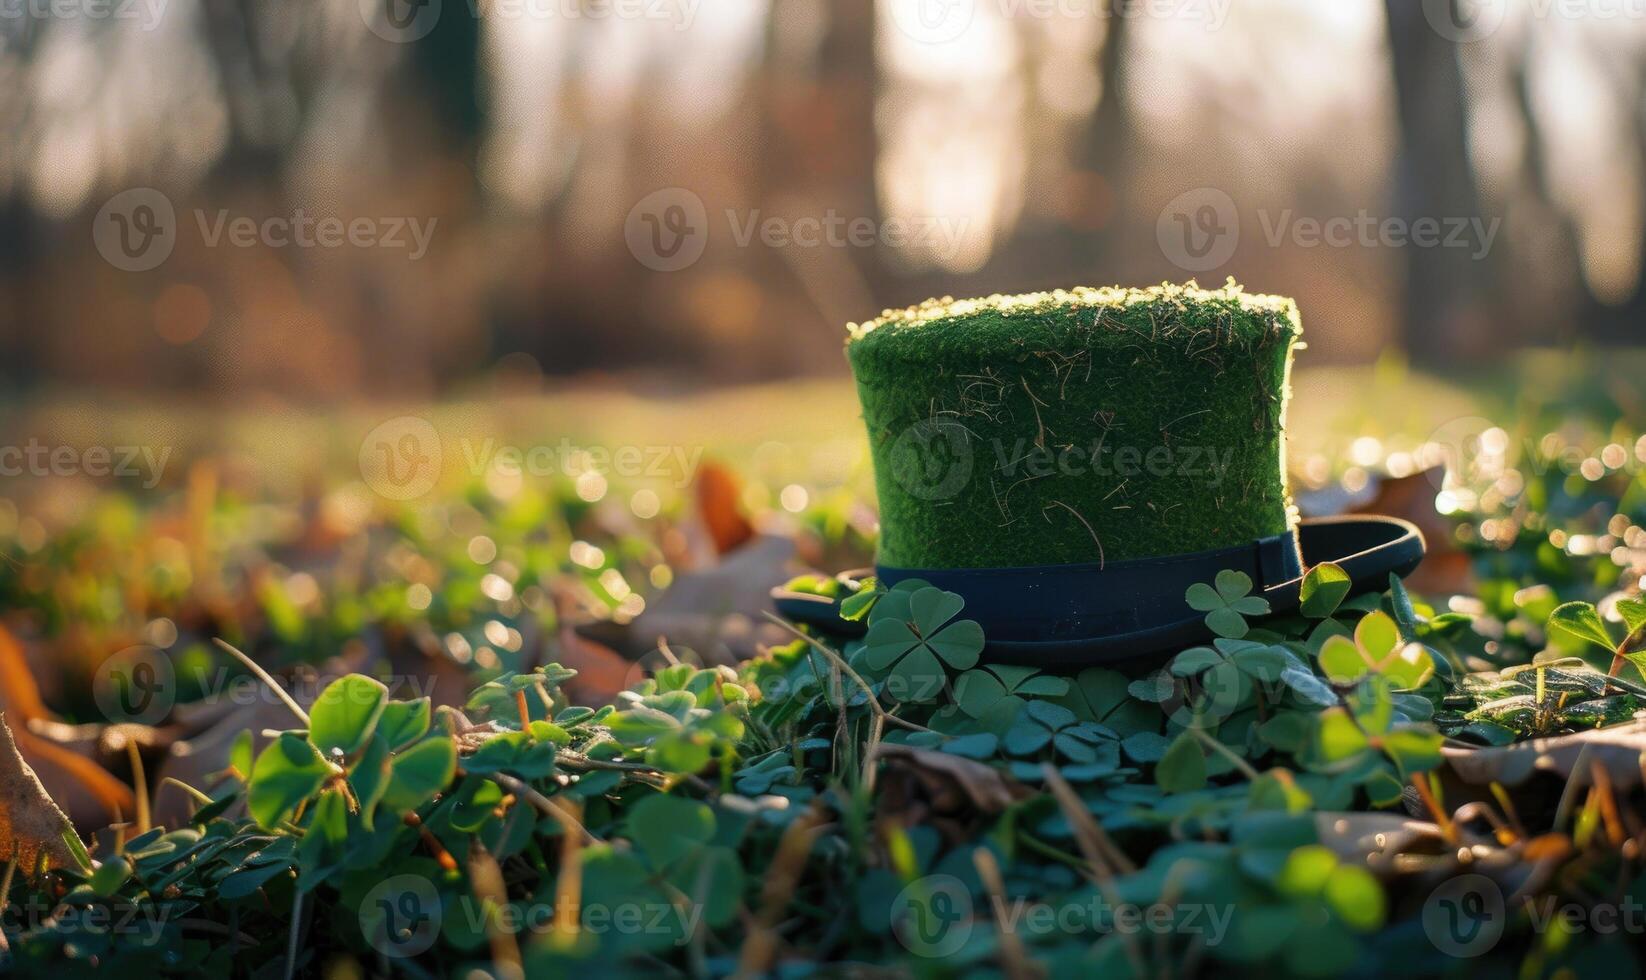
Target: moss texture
(1080,425)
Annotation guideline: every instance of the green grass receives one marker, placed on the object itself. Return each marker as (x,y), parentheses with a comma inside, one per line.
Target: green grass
(1087,426)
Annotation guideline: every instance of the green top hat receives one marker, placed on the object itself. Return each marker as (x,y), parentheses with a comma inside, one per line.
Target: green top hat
(1072,463)
(1077,426)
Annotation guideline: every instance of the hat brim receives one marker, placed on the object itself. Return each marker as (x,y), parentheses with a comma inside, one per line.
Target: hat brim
(1368,548)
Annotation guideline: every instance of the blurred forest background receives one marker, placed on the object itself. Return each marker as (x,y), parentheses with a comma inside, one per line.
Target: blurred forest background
(1051,137)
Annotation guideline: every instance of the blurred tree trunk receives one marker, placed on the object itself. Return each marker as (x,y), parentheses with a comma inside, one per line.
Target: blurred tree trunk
(1107,134)
(1447,310)
(818,152)
(1081,242)
(1627,324)
(1551,294)
(445,65)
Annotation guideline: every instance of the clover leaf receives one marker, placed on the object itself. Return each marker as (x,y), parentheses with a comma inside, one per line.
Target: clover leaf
(916,648)
(419,772)
(1100,694)
(1377,648)
(1581,620)
(1182,767)
(857,606)
(1633,612)
(1043,724)
(668,828)
(993,695)
(758,779)
(286,773)
(1259,661)
(1228,603)
(345,715)
(1324,589)
(1368,722)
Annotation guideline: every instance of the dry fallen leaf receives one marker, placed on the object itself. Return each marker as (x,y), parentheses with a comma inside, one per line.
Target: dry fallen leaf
(1619,750)
(32,828)
(719,504)
(64,757)
(940,788)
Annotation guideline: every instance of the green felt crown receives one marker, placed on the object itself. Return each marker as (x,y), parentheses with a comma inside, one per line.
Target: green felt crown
(1082,425)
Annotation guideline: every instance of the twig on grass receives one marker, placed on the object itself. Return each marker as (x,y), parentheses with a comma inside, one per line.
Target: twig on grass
(524,791)
(1013,959)
(266,678)
(1241,764)
(839,661)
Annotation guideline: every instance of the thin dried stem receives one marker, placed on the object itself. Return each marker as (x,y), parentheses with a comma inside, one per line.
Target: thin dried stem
(266,678)
(840,662)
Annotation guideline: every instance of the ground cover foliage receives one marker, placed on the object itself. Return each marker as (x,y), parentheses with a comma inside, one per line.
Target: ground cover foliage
(1317,793)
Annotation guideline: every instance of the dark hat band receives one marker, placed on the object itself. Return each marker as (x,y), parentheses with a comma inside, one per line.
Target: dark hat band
(1041,603)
